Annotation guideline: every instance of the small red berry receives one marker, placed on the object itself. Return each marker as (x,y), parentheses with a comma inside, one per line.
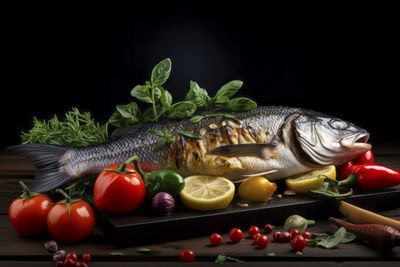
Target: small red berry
(255,237)
(253,230)
(86,257)
(69,262)
(216,239)
(286,237)
(294,232)
(298,243)
(236,235)
(277,236)
(262,241)
(187,255)
(268,228)
(306,235)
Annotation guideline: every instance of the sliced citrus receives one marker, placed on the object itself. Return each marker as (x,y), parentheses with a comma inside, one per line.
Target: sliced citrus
(256,189)
(204,193)
(304,182)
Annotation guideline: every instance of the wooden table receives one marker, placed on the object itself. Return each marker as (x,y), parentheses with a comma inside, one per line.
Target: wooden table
(19,251)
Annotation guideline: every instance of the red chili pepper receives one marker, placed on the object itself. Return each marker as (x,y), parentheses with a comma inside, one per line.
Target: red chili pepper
(344,170)
(372,177)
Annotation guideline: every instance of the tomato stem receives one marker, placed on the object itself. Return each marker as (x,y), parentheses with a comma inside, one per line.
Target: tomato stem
(68,200)
(26,193)
(122,168)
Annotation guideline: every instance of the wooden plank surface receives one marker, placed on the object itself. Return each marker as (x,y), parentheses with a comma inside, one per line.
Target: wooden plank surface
(19,251)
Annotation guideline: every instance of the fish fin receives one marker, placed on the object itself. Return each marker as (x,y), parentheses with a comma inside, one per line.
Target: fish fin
(241,150)
(47,159)
(259,174)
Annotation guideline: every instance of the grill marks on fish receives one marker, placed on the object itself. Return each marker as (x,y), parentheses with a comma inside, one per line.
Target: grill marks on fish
(189,155)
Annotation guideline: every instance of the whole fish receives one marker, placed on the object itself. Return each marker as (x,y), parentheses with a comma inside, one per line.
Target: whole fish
(274,141)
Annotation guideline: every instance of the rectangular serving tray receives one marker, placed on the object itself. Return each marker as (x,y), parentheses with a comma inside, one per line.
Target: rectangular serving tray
(183,223)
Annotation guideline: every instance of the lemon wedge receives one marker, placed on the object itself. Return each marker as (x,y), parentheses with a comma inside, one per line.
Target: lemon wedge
(205,193)
(305,182)
(256,189)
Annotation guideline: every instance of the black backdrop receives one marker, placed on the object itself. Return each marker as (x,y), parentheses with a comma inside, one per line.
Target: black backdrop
(339,59)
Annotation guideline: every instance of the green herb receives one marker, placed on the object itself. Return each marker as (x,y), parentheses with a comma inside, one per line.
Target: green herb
(166,138)
(330,189)
(197,99)
(223,258)
(116,253)
(349,237)
(147,251)
(198,118)
(190,135)
(333,240)
(76,129)
(270,254)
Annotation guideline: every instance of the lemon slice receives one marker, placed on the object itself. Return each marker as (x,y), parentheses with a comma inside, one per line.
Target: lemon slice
(304,182)
(205,193)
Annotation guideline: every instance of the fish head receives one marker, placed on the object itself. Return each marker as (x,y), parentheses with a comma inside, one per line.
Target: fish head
(328,140)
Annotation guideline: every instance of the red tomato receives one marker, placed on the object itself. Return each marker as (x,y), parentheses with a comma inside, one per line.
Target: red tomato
(71,255)
(306,235)
(216,239)
(286,236)
(294,232)
(253,230)
(86,257)
(71,222)
(119,192)
(365,158)
(187,255)
(277,236)
(236,235)
(261,241)
(268,228)
(28,213)
(255,237)
(298,243)
(69,263)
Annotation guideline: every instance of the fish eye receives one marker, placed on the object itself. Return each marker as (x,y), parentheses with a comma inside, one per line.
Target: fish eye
(338,124)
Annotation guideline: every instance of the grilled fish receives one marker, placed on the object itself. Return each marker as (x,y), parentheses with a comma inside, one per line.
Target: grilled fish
(275,141)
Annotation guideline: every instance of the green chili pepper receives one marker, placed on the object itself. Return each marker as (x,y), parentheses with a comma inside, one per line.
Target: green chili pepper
(164,181)
(161,181)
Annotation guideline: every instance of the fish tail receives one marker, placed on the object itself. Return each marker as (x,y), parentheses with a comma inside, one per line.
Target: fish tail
(47,158)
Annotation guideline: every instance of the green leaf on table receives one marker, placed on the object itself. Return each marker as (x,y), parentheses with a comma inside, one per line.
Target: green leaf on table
(116,253)
(147,251)
(161,72)
(333,240)
(349,237)
(229,89)
(270,254)
(224,258)
(142,93)
(181,110)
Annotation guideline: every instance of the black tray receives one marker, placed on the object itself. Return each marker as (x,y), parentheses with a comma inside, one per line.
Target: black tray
(141,227)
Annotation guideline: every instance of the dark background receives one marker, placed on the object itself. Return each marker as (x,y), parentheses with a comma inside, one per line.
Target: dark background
(343,60)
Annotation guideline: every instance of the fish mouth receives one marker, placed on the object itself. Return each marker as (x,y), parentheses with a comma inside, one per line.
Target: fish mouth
(358,142)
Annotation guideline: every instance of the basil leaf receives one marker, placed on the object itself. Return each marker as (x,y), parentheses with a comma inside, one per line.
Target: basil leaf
(130,111)
(333,240)
(222,100)
(142,93)
(161,72)
(182,110)
(190,135)
(196,119)
(147,251)
(157,93)
(166,99)
(148,115)
(241,104)
(349,237)
(197,95)
(223,258)
(117,120)
(229,89)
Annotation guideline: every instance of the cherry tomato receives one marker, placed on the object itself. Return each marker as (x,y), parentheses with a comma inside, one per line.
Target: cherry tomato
(268,228)
(86,257)
(277,236)
(286,237)
(253,230)
(119,189)
(69,262)
(71,255)
(261,241)
(216,239)
(365,158)
(28,213)
(80,264)
(187,255)
(236,235)
(70,220)
(298,243)
(294,232)
(255,237)
(306,235)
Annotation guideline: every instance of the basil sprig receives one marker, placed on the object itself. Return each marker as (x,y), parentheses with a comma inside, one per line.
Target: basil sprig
(153,93)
